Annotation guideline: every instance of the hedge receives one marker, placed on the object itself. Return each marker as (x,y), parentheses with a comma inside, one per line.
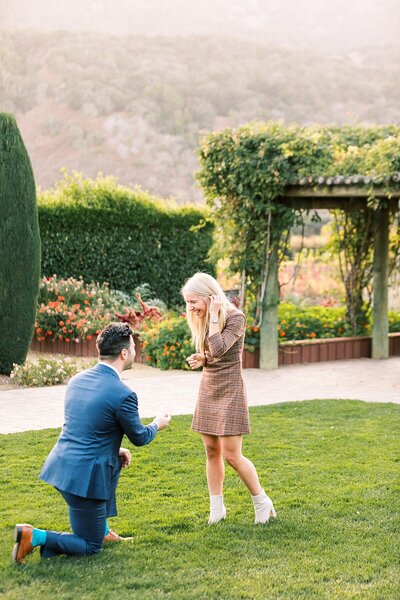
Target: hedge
(101,231)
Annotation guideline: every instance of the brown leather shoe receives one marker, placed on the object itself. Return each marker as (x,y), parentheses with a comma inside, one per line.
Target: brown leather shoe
(23,542)
(114,537)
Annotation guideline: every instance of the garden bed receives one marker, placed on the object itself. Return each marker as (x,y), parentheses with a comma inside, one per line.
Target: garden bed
(290,353)
(309,351)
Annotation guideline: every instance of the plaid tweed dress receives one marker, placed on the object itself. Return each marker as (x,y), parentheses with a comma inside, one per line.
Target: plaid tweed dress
(221,407)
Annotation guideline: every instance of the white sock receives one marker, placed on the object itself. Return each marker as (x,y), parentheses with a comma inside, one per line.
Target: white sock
(217,509)
(263,507)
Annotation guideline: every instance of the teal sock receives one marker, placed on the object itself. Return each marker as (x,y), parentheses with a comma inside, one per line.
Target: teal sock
(107,528)
(39,537)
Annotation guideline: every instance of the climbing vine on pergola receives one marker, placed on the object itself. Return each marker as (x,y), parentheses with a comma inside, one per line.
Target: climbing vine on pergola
(260,178)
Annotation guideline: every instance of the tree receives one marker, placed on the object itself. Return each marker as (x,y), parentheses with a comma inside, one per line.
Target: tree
(19,246)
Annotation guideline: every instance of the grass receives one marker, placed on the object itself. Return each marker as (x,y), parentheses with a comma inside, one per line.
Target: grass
(331,467)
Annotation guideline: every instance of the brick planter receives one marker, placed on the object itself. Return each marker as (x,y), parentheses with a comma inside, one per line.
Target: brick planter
(308,351)
(86,348)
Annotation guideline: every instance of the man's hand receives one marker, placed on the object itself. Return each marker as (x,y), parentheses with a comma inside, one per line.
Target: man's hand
(162,421)
(125,457)
(195,361)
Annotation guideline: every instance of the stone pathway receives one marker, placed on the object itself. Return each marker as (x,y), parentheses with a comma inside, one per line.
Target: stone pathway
(175,391)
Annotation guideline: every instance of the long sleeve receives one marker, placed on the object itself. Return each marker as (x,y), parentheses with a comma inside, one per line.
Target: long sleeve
(220,343)
(129,420)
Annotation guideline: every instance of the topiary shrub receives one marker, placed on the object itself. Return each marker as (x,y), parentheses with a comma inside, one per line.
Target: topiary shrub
(19,246)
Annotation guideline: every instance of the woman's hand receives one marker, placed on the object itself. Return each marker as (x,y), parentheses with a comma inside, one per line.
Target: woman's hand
(195,361)
(215,305)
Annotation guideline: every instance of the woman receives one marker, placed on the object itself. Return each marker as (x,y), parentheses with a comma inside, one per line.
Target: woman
(221,415)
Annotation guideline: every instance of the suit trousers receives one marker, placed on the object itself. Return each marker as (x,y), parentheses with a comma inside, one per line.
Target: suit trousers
(87,517)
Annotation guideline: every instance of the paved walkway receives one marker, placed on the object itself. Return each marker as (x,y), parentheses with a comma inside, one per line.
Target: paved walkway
(175,391)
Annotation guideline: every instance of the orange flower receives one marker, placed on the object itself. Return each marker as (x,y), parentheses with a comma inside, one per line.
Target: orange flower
(61,298)
(61,323)
(256,329)
(172,348)
(67,340)
(89,337)
(282,334)
(313,334)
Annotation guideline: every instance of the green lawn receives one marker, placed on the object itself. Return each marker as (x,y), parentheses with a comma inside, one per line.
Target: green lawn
(331,467)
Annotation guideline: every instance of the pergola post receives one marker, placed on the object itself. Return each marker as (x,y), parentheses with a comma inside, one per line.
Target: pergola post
(269,351)
(380,339)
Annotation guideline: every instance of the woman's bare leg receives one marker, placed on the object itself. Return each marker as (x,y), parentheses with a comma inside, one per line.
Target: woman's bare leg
(232,453)
(215,468)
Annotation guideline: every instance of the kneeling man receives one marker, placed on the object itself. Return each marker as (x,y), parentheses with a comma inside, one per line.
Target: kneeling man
(84,465)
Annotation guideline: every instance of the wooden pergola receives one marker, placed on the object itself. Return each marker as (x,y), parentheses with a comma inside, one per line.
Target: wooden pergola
(345,193)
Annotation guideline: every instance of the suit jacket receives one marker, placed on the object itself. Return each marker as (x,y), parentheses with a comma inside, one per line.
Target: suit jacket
(99,410)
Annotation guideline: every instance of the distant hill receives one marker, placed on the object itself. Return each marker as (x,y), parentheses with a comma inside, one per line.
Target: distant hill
(323,25)
(133,106)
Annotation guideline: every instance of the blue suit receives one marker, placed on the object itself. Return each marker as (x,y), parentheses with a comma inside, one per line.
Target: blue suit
(84,465)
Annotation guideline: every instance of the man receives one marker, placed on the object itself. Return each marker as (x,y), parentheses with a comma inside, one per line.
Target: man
(84,465)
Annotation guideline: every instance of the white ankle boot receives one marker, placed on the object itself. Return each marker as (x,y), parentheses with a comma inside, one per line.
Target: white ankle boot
(217,509)
(263,507)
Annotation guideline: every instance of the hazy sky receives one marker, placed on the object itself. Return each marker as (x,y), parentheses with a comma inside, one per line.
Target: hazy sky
(326,25)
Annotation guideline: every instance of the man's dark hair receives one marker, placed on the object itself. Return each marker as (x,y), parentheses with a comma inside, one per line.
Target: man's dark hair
(114,338)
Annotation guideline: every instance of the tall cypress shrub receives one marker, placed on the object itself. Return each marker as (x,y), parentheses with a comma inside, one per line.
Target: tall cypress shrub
(19,246)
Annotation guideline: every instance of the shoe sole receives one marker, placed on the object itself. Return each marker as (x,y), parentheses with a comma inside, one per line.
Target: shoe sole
(17,540)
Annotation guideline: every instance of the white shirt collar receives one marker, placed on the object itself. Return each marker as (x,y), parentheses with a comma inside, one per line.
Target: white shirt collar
(111,367)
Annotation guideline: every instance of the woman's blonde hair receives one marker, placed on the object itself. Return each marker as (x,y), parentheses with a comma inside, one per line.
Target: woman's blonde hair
(204,286)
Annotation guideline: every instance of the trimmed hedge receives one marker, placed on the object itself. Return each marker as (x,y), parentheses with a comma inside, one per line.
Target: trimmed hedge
(101,231)
(19,246)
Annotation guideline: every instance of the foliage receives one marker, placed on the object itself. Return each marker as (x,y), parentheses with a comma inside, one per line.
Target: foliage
(394,322)
(300,323)
(245,170)
(19,246)
(167,344)
(329,466)
(105,232)
(137,318)
(47,371)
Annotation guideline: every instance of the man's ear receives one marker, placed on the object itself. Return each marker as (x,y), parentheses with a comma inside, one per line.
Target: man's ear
(123,354)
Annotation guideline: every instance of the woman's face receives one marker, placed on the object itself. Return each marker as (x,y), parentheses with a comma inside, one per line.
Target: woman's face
(196,305)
